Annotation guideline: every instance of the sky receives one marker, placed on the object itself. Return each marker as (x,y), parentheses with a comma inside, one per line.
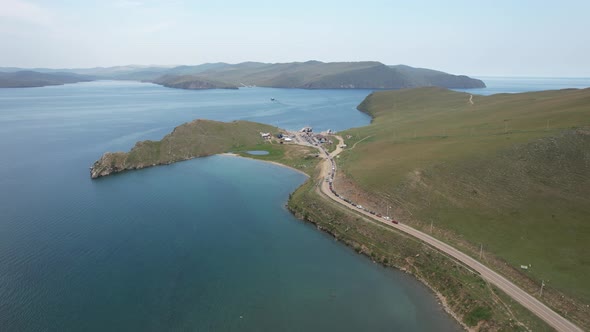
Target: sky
(478,38)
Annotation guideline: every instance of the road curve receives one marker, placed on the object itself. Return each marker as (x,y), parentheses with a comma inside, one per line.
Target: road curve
(328,169)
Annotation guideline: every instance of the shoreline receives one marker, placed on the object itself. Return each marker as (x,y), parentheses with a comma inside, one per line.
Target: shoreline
(442,301)
(231,154)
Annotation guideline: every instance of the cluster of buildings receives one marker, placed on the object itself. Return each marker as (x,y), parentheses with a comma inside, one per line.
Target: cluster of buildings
(306,134)
(316,139)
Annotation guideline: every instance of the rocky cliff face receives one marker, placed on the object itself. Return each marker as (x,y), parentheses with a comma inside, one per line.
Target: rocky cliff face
(108,164)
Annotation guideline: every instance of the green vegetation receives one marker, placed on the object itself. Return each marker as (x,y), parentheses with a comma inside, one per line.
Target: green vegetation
(461,289)
(429,77)
(320,75)
(194,139)
(478,314)
(507,172)
(201,138)
(302,158)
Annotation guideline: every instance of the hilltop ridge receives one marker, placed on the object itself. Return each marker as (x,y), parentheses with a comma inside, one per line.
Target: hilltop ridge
(505,177)
(320,75)
(302,75)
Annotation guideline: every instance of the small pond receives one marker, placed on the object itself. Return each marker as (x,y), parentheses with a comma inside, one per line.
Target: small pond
(257,152)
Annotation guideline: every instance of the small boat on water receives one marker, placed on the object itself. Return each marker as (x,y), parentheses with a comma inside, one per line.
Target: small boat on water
(272,99)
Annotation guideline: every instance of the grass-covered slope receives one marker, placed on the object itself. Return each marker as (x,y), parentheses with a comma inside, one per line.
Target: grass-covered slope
(473,302)
(429,77)
(194,139)
(507,171)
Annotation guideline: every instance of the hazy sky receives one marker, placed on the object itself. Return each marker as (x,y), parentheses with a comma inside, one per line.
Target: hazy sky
(515,37)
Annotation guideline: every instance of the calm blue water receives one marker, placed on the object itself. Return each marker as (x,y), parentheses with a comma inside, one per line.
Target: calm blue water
(526,84)
(203,245)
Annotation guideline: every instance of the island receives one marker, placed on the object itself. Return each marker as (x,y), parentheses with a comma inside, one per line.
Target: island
(190,83)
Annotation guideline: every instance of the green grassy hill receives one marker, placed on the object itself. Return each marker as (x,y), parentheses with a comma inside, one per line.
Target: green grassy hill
(510,172)
(198,138)
(429,77)
(334,75)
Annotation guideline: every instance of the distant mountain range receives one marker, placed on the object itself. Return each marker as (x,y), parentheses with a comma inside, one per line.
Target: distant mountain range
(29,79)
(303,75)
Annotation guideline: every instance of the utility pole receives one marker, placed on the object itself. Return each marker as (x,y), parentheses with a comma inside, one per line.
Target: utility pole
(431,222)
(480,251)
(542,285)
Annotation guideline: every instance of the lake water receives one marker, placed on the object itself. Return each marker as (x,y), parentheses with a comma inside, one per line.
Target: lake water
(202,245)
(526,84)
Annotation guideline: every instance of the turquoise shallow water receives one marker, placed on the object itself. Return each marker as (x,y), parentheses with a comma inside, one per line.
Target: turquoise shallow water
(202,245)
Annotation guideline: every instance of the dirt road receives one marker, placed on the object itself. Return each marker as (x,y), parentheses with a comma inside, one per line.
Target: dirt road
(328,169)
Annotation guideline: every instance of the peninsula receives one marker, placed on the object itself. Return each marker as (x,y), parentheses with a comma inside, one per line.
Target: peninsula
(450,165)
(198,138)
(447,165)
